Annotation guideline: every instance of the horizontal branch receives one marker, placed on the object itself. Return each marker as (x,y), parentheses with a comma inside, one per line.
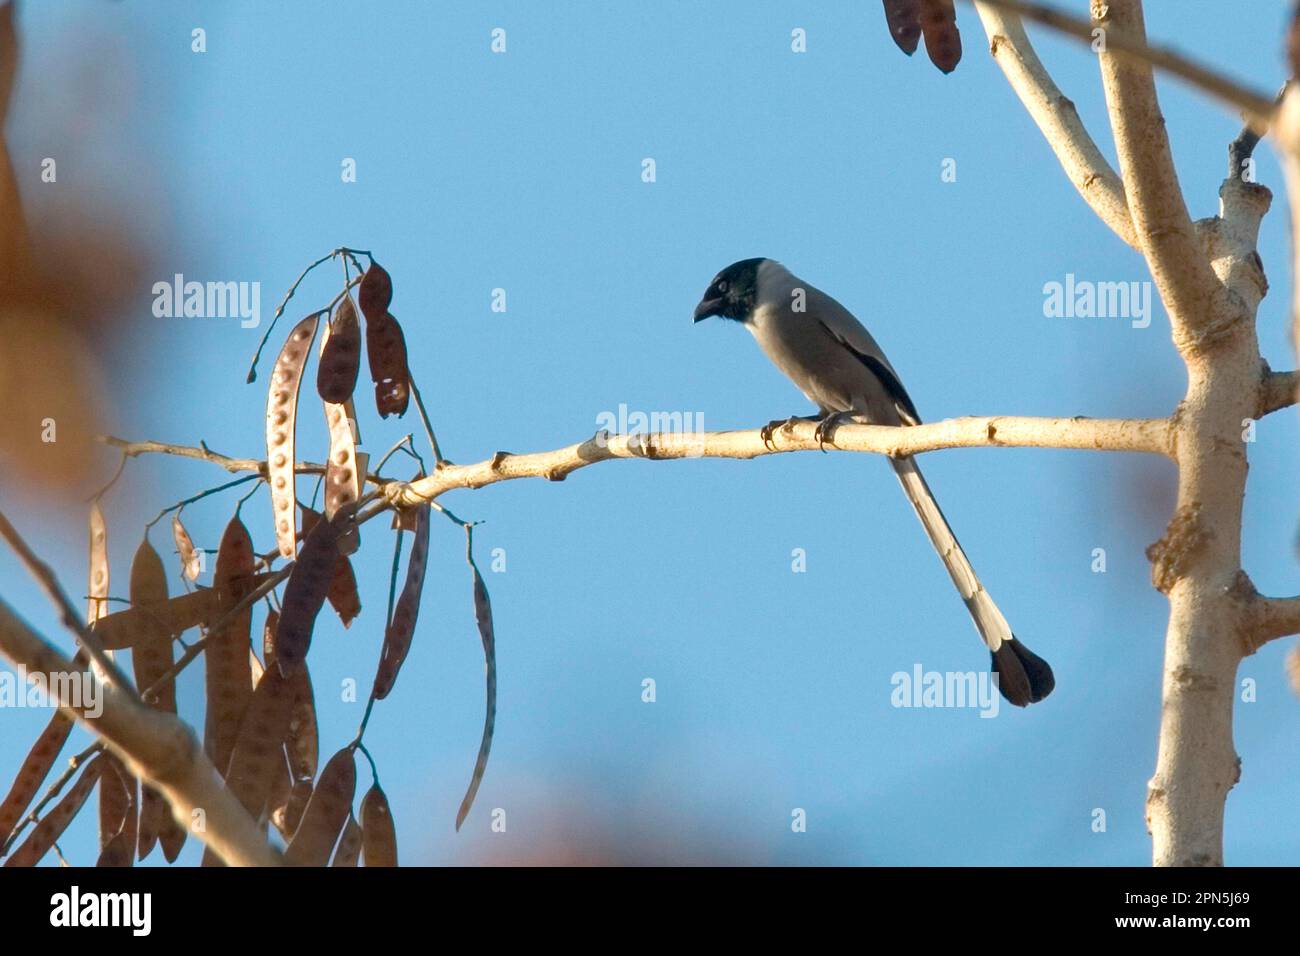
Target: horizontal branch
(1095,434)
(1279,390)
(157,747)
(1270,618)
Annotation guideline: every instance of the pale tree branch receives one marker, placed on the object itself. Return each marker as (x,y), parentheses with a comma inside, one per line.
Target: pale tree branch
(1269,618)
(1177,261)
(1057,119)
(1280,390)
(156,747)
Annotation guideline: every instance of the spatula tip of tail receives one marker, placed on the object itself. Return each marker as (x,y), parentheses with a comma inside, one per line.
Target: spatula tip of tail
(1024,678)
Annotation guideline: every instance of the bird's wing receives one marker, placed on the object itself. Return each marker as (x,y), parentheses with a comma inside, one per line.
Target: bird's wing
(850,333)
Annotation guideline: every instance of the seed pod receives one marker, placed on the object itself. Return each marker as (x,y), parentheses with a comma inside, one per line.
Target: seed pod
(52,825)
(386,347)
(483,614)
(343,594)
(151,656)
(118,813)
(281,420)
(401,629)
(268,638)
(349,848)
(119,630)
(303,741)
(259,750)
(378,837)
(342,475)
(340,357)
(33,771)
(287,818)
(307,587)
(942,41)
(904,19)
(327,811)
(98,562)
(190,560)
(375,292)
(226,657)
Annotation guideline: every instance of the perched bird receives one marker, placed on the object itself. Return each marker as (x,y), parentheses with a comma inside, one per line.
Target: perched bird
(836,363)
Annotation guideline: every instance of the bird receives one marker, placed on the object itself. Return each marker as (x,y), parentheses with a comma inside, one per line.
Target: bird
(831,357)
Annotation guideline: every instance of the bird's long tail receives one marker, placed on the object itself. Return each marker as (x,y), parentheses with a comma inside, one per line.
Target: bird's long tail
(1023,677)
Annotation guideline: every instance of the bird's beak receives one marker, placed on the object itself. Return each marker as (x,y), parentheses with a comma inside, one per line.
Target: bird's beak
(707,308)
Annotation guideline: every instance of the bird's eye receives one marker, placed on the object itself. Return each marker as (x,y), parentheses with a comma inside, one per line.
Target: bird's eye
(722,285)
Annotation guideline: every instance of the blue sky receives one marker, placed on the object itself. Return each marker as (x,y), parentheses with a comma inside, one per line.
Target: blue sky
(522,171)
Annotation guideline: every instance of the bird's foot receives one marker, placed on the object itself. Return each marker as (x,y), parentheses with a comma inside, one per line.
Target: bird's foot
(772,427)
(826,428)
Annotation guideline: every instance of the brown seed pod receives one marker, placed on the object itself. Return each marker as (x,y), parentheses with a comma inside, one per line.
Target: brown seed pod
(226,657)
(308,585)
(904,19)
(327,811)
(340,356)
(259,750)
(268,638)
(343,474)
(118,813)
(375,294)
(942,41)
(401,629)
(55,821)
(483,614)
(191,563)
(386,348)
(33,771)
(98,562)
(343,594)
(378,837)
(281,420)
(348,851)
(119,630)
(303,741)
(291,814)
(151,655)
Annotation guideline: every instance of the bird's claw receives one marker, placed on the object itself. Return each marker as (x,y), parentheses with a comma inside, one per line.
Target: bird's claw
(826,431)
(767,431)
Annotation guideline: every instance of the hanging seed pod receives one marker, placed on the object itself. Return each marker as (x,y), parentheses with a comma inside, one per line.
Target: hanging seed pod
(151,655)
(343,594)
(226,657)
(348,851)
(942,41)
(904,19)
(259,749)
(303,741)
(340,357)
(378,837)
(118,812)
(483,614)
(401,629)
(326,812)
(33,771)
(191,563)
(268,638)
(343,475)
(386,347)
(375,292)
(52,825)
(281,420)
(307,587)
(98,563)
